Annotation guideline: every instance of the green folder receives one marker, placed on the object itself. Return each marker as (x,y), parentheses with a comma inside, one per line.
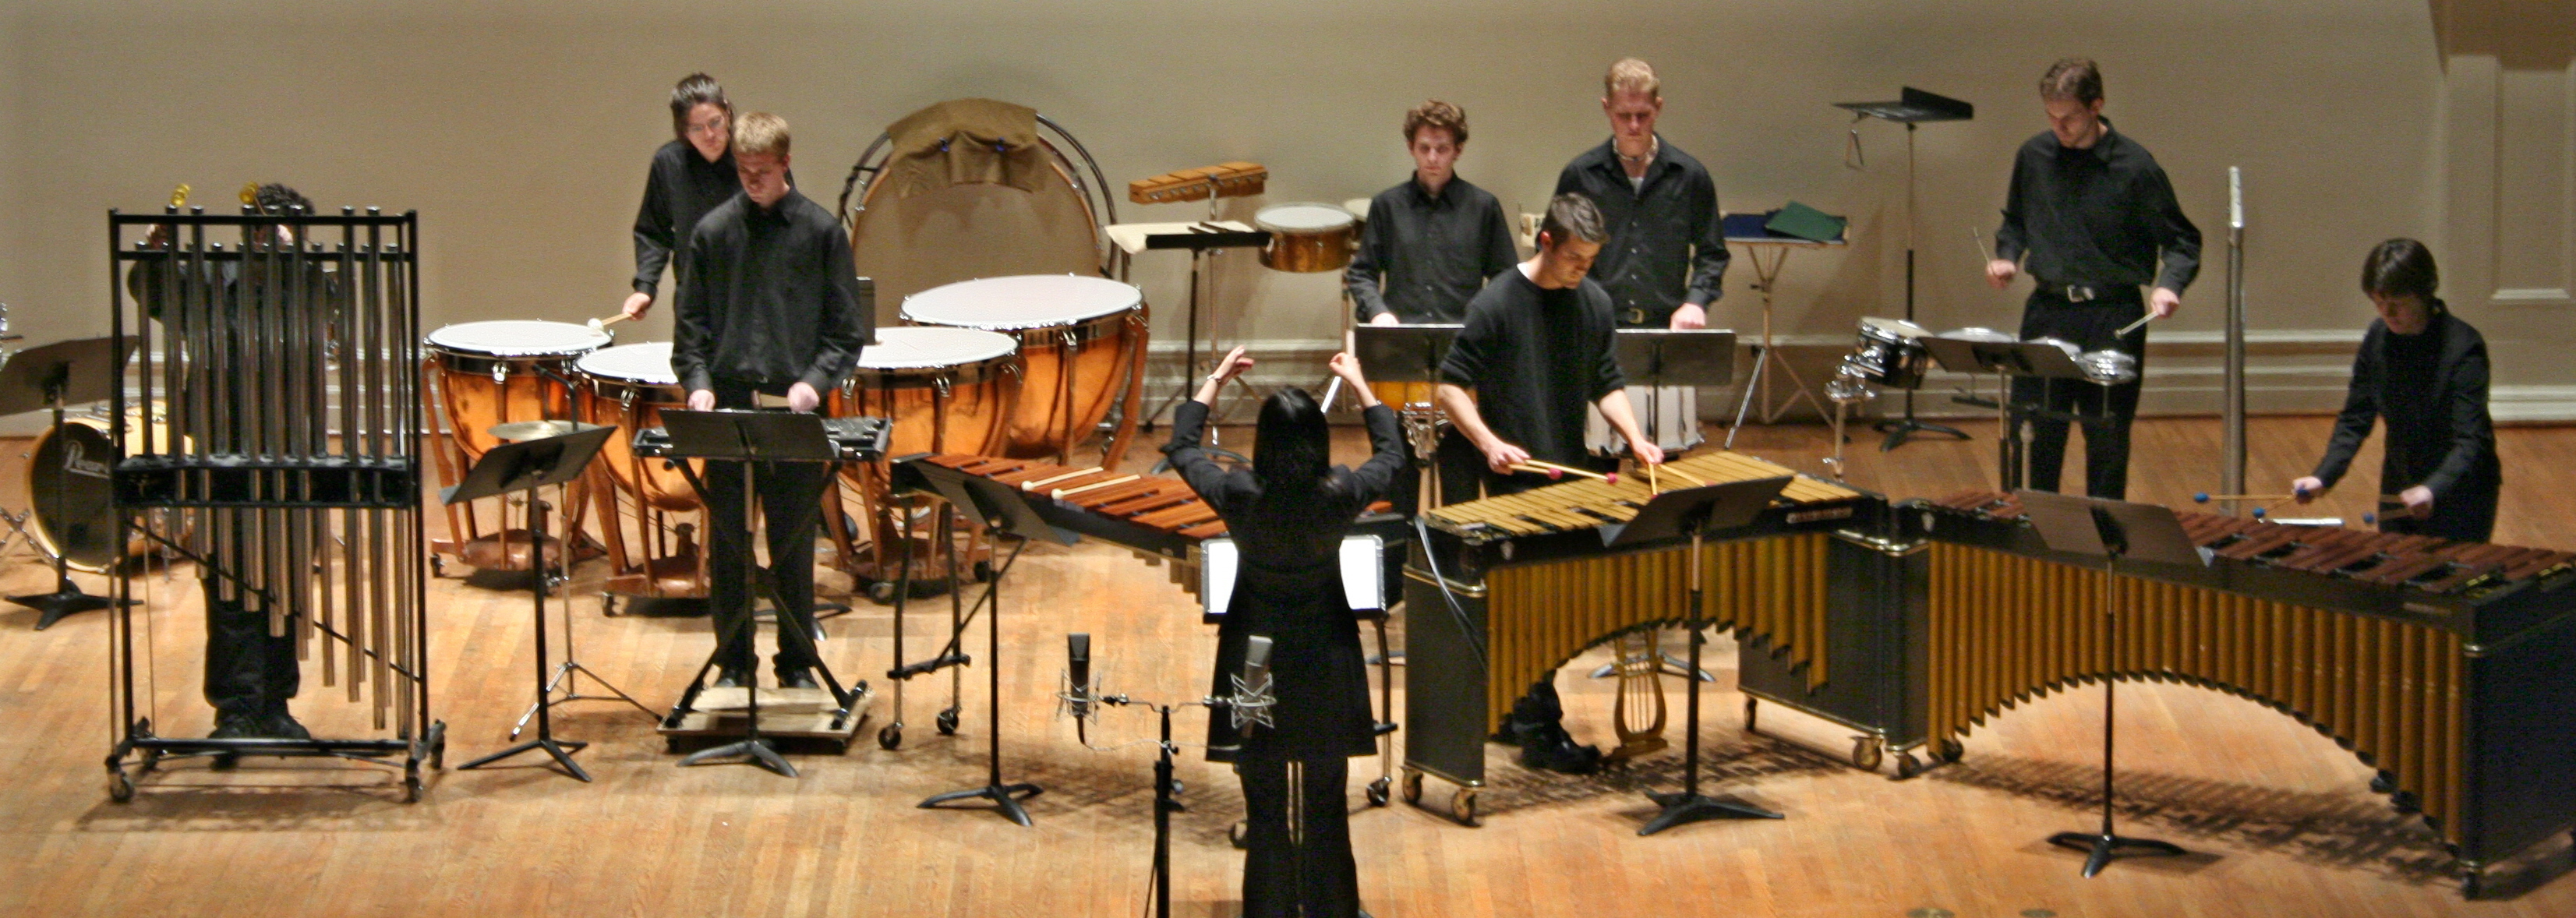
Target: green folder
(1806,223)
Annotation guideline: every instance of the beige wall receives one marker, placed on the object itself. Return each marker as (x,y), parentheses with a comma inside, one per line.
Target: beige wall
(521,136)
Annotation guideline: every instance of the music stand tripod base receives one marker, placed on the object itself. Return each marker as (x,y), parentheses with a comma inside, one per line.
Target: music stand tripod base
(2103,849)
(66,600)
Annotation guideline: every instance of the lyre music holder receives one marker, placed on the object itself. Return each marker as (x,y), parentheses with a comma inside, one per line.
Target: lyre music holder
(1003,513)
(525,467)
(1695,512)
(749,437)
(52,376)
(2120,533)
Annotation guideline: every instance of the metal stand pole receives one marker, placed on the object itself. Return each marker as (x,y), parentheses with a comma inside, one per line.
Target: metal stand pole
(752,749)
(567,674)
(1005,797)
(560,750)
(1686,805)
(1901,429)
(2103,847)
(2231,475)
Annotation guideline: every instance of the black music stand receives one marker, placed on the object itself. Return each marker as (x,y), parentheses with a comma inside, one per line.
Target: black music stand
(1410,354)
(749,437)
(1695,512)
(527,466)
(2118,532)
(1202,238)
(2043,361)
(1659,357)
(52,376)
(1002,512)
(1911,108)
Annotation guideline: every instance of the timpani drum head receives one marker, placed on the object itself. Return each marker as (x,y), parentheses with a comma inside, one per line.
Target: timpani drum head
(927,347)
(518,338)
(1021,302)
(1302,218)
(646,364)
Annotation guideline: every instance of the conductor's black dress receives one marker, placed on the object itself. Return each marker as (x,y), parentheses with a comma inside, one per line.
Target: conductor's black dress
(1289,588)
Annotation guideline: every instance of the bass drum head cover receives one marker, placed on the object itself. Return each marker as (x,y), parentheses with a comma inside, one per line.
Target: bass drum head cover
(963,232)
(68,487)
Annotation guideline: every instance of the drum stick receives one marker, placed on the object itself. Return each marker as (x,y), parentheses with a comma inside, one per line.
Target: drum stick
(603,324)
(1331,391)
(2134,326)
(1695,480)
(1552,470)
(1069,492)
(2205,497)
(1978,236)
(1040,484)
(1653,484)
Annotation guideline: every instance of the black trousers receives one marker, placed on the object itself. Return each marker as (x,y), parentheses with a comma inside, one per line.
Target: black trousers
(1297,839)
(791,495)
(2089,325)
(247,671)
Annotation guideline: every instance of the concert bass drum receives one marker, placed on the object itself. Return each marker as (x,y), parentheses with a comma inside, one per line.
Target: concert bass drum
(69,500)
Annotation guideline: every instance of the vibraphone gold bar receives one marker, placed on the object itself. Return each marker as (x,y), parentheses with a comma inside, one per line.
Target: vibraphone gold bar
(2445,665)
(1533,585)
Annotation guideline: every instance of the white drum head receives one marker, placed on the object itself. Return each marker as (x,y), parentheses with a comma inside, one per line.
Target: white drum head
(1898,327)
(1987,335)
(518,338)
(1021,301)
(647,364)
(930,347)
(1302,218)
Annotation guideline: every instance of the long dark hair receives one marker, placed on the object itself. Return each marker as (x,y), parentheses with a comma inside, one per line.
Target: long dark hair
(1292,448)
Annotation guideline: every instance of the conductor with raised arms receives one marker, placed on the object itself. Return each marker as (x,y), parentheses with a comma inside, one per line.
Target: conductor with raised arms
(769,305)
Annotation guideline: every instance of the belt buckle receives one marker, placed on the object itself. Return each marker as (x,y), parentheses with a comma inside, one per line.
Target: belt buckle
(2077,293)
(1636,315)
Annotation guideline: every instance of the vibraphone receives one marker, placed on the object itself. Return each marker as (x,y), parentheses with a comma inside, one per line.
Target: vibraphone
(2445,665)
(1534,585)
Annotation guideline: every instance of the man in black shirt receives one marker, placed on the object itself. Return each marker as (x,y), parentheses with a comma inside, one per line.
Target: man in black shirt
(1666,259)
(2093,211)
(2424,372)
(690,176)
(1536,353)
(1431,242)
(769,305)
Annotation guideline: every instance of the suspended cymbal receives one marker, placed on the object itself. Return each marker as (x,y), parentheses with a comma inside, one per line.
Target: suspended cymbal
(523,431)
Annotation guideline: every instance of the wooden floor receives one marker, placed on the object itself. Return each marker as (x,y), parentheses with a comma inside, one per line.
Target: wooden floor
(2279,818)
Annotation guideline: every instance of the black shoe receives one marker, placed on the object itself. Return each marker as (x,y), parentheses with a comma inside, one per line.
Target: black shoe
(1555,750)
(798,678)
(730,677)
(281,725)
(237,725)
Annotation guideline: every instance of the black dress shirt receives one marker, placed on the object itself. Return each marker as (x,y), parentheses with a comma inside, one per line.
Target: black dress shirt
(1435,252)
(2096,216)
(1666,245)
(678,192)
(2431,389)
(771,298)
(1536,359)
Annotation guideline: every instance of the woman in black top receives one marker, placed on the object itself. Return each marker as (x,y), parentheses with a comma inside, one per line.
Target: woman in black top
(1287,515)
(690,176)
(2424,372)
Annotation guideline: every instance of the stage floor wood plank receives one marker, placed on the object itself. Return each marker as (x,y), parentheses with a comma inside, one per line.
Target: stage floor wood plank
(2279,819)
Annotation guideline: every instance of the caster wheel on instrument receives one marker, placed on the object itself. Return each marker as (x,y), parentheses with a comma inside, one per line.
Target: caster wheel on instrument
(1463,807)
(1951,751)
(890,738)
(671,745)
(1378,791)
(437,566)
(948,722)
(2469,883)
(1867,752)
(120,788)
(411,782)
(881,591)
(1907,766)
(1235,834)
(2383,783)
(225,761)
(438,753)
(1412,787)
(983,572)
(608,604)
(151,762)
(1752,713)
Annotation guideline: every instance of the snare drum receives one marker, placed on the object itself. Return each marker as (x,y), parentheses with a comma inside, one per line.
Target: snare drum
(1307,237)
(1080,340)
(506,370)
(628,386)
(1889,354)
(945,390)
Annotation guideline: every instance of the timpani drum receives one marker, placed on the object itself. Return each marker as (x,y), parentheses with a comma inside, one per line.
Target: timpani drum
(628,386)
(492,373)
(505,370)
(1307,237)
(944,390)
(1079,339)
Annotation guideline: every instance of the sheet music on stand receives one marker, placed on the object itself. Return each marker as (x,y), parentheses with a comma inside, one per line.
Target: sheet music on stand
(2007,359)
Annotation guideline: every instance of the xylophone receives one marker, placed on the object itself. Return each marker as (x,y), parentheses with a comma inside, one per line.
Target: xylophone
(2445,665)
(1535,585)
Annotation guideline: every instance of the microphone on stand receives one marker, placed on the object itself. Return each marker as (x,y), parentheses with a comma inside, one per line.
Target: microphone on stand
(1252,699)
(1077,651)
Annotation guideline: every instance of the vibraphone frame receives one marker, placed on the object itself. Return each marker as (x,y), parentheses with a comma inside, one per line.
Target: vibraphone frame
(292,421)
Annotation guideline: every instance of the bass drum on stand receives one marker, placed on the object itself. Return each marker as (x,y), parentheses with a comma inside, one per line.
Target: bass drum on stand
(70,504)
